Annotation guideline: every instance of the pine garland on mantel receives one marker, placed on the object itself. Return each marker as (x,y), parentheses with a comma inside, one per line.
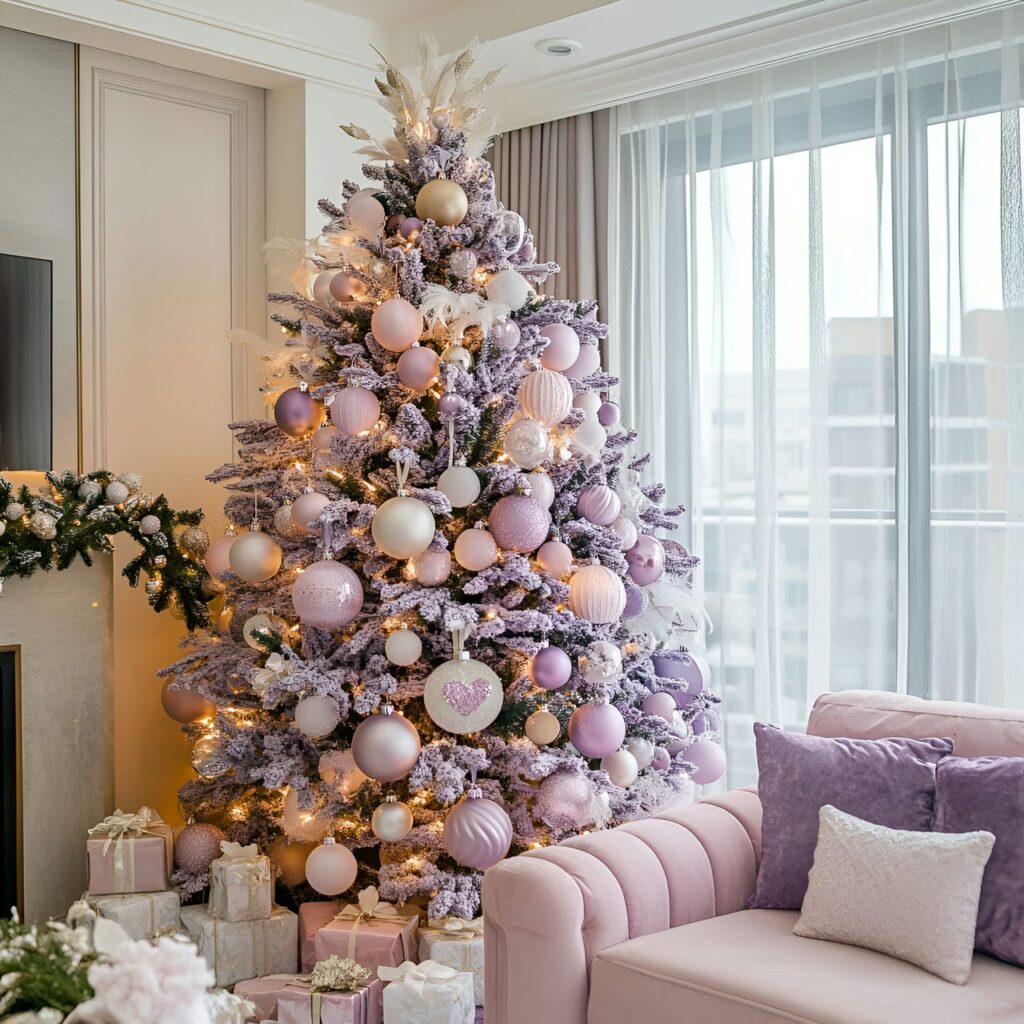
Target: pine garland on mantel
(71,516)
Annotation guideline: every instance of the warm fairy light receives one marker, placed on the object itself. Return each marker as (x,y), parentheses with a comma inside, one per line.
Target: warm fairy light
(560,608)
(491,614)
(298,465)
(481,276)
(237,812)
(409,570)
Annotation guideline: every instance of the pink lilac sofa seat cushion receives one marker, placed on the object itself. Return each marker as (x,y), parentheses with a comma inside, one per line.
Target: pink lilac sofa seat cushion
(749,968)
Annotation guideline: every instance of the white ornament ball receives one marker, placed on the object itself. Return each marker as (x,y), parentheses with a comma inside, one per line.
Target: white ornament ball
(642,749)
(316,716)
(463,696)
(365,213)
(403,527)
(541,487)
(542,728)
(89,489)
(545,396)
(625,529)
(476,550)
(597,594)
(338,769)
(555,558)
(587,363)
(116,492)
(602,662)
(255,557)
(527,443)
(403,648)
(43,525)
(458,355)
(510,288)
(432,568)
(622,768)
(391,821)
(588,401)
(331,869)
(460,485)
(149,525)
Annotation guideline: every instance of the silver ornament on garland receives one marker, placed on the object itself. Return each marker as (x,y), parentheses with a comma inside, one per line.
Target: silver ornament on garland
(15,510)
(149,525)
(463,695)
(43,525)
(89,490)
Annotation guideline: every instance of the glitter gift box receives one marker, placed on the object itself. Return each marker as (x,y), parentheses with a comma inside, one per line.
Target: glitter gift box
(129,853)
(374,933)
(241,884)
(459,944)
(427,993)
(239,950)
(143,915)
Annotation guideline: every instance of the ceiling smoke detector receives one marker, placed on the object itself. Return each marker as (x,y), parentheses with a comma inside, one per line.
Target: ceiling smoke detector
(559,47)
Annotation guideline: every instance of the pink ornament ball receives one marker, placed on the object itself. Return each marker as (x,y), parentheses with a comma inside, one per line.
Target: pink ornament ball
(296,412)
(562,349)
(565,801)
(475,550)
(660,705)
(477,832)
(418,367)
(331,869)
(306,511)
(519,523)
(432,567)
(588,362)
(365,212)
(385,747)
(709,758)
(346,287)
(599,504)
(646,559)
(328,595)
(550,668)
(396,324)
(409,228)
(197,847)
(609,414)
(323,437)
(506,334)
(451,404)
(597,730)
(355,411)
(216,560)
(661,760)
(184,704)
(555,558)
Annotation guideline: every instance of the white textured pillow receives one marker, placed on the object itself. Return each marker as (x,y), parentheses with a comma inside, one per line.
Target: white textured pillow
(913,895)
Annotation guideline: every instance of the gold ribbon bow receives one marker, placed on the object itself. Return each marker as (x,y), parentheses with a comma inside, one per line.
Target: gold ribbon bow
(123,826)
(459,927)
(418,978)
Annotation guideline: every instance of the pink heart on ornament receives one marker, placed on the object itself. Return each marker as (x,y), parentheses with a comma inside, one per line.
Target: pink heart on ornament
(466,697)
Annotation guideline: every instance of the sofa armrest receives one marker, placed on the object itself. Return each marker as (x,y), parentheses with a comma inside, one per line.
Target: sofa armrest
(549,912)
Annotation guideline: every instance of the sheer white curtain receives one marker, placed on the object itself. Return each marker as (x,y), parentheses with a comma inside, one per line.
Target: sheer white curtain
(818,311)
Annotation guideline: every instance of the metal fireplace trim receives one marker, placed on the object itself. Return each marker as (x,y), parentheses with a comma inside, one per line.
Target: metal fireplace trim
(15,649)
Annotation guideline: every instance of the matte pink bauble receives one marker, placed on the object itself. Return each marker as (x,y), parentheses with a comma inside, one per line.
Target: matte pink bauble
(565,801)
(365,212)
(519,523)
(355,411)
(331,868)
(477,832)
(597,730)
(550,668)
(418,367)
(323,437)
(587,363)
(197,847)
(599,504)
(432,568)
(661,759)
(346,287)
(562,349)
(396,324)
(328,595)
(184,704)
(625,529)
(385,747)
(709,757)
(475,550)
(660,705)
(596,594)
(296,412)
(609,414)
(555,558)
(216,560)
(646,560)
(306,511)
(450,404)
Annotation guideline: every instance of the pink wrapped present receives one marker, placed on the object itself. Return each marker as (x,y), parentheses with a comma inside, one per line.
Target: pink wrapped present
(313,917)
(263,993)
(373,933)
(300,1005)
(129,853)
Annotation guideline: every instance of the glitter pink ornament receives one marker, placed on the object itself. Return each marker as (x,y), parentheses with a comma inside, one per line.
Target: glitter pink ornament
(197,847)
(418,367)
(562,349)
(519,522)
(354,411)
(550,668)
(462,263)
(597,730)
(646,560)
(565,801)
(396,324)
(328,595)
(598,504)
(477,832)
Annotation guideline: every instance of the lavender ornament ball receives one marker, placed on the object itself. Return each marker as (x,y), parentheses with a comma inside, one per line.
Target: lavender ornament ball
(599,504)
(588,362)
(409,228)
(636,601)
(565,800)
(609,414)
(506,334)
(295,412)
(551,668)
(661,759)
(597,730)
(705,721)
(660,705)
(197,847)
(689,668)
(451,404)
(328,595)
(519,522)
(646,559)
(477,832)
(709,758)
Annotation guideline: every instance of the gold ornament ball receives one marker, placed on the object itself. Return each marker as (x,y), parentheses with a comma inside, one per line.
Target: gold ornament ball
(290,860)
(442,201)
(195,540)
(542,727)
(458,355)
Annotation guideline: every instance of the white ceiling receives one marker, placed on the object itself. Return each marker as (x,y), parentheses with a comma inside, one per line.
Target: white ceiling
(385,12)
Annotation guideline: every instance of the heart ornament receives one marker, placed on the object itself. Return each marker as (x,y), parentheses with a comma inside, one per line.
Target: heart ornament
(463,696)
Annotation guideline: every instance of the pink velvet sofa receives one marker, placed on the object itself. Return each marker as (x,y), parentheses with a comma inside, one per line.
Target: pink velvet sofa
(645,923)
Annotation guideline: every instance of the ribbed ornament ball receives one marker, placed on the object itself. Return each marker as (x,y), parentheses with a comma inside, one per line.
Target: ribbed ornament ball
(510,288)
(317,715)
(391,821)
(184,704)
(518,522)
(197,847)
(385,747)
(328,595)
(255,557)
(597,730)
(562,349)
(296,412)
(555,558)
(418,367)
(596,594)
(396,324)
(542,728)
(477,832)
(527,442)
(565,801)
(355,411)
(331,868)
(545,396)
(403,527)
(475,550)
(432,567)
(460,485)
(646,559)
(443,201)
(598,504)
(306,511)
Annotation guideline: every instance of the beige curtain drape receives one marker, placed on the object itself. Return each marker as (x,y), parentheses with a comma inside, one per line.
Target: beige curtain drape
(555,176)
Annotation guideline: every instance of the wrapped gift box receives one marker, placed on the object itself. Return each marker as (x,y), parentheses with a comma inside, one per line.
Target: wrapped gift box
(129,853)
(459,944)
(241,884)
(143,915)
(298,1005)
(313,917)
(373,933)
(427,993)
(239,950)
(263,993)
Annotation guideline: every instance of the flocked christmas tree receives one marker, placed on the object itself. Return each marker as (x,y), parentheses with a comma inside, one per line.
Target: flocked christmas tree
(442,628)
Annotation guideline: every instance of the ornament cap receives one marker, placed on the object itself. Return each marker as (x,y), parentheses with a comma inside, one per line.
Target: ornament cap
(475,793)
(387,709)
(330,841)
(391,799)
(303,385)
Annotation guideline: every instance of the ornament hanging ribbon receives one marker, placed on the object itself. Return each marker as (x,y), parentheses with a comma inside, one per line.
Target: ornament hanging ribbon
(122,828)
(460,634)
(371,908)
(418,978)
(459,927)
(402,467)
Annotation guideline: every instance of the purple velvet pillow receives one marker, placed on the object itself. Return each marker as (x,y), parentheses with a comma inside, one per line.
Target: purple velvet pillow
(988,793)
(888,782)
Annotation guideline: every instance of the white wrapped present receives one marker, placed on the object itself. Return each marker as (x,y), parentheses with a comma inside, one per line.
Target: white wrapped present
(458,943)
(143,915)
(427,993)
(240,950)
(241,884)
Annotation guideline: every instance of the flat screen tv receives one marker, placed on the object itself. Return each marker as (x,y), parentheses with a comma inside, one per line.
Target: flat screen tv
(26,363)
